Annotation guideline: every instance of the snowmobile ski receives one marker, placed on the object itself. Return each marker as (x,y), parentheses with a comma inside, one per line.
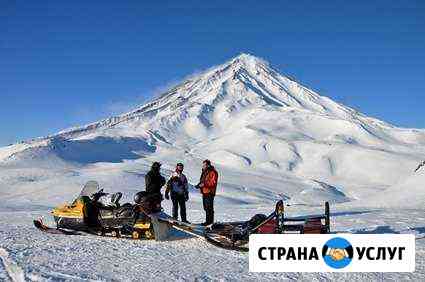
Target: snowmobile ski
(38,223)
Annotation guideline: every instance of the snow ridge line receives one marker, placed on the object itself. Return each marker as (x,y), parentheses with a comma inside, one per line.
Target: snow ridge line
(15,273)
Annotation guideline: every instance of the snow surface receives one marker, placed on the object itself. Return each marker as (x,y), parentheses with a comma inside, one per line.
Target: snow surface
(269,137)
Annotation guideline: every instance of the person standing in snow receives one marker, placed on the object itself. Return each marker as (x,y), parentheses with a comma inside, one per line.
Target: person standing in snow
(207,186)
(154,180)
(179,188)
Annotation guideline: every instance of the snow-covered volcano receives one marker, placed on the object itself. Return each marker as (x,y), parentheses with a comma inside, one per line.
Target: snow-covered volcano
(249,120)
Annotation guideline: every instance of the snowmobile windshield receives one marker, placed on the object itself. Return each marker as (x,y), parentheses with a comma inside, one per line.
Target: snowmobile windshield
(90,188)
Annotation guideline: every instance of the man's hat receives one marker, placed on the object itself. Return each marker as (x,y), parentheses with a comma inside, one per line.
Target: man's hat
(156,165)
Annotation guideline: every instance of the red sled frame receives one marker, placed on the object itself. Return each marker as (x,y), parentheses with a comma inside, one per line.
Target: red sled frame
(280,224)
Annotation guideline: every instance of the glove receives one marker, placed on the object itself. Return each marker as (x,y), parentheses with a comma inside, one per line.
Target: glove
(186,196)
(167,197)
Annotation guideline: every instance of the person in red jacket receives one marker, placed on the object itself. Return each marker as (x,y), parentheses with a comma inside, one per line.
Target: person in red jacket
(207,186)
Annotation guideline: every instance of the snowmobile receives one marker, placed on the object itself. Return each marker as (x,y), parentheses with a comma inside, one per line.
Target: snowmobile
(96,212)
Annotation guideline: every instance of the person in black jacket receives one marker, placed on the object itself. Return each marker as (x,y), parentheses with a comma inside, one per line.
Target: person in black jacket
(154,180)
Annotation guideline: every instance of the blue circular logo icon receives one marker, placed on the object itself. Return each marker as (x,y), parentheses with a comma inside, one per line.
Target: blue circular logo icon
(337,253)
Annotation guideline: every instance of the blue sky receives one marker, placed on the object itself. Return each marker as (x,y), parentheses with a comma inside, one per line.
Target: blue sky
(67,63)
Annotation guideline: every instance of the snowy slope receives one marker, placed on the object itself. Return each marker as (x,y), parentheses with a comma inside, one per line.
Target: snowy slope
(269,137)
(408,193)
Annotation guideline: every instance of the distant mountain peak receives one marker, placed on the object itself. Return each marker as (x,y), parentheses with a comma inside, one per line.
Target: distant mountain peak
(248,58)
(243,82)
(207,103)
(248,61)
